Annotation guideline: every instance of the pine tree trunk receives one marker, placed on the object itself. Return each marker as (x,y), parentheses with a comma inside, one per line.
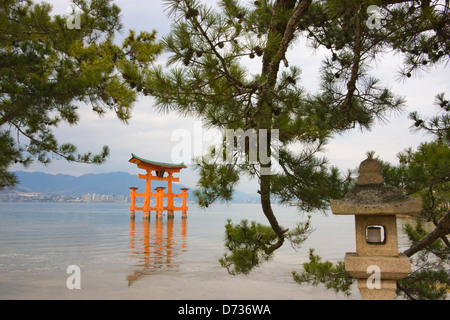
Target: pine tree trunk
(268,212)
(270,69)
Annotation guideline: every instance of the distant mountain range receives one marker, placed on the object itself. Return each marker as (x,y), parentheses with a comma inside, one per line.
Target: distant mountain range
(113,183)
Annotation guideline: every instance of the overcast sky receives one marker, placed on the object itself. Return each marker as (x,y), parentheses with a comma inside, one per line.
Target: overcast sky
(148,133)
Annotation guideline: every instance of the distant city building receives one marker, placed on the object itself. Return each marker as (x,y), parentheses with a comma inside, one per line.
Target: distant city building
(95,197)
(19,196)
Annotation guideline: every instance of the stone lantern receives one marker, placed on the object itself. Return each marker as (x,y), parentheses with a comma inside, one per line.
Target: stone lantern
(376,264)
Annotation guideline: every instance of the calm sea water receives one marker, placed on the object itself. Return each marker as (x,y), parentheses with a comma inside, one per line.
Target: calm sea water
(121,258)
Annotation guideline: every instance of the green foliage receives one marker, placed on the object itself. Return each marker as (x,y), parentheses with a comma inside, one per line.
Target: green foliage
(438,125)
(425,285)
(309,180)
(436,248)
(250,244)
(430,279)
(316,272)
(217,181)
(425,171)
(7,151)
(48,69)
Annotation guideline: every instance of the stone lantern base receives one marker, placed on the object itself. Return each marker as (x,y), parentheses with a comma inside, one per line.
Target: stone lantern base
(386,292)
(383,271)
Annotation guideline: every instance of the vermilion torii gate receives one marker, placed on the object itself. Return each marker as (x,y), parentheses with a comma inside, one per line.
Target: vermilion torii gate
(160,169)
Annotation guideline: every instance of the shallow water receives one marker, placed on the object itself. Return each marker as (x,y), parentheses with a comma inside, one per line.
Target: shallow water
(121,258)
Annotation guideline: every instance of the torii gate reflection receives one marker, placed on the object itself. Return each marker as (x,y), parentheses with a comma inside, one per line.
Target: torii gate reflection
(155,249)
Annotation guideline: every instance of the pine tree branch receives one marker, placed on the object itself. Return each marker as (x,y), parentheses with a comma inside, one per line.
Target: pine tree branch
(351,85)
(274,66)
(212,47)
(442,229)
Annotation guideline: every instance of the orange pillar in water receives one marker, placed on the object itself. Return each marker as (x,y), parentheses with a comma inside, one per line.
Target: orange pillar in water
(147,194)
(133,201)
(184,207)
(170,197)
(159,202)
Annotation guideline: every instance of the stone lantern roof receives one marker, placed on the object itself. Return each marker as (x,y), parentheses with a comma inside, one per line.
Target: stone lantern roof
(372,196)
